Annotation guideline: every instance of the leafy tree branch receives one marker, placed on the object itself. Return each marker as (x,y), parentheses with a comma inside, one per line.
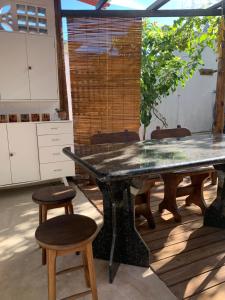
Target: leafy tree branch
(170,57)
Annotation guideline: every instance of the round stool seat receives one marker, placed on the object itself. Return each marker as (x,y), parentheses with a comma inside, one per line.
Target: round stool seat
(53,195)
(65,231)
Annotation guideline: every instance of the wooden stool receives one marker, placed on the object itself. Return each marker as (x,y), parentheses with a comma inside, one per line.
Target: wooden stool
(53,197)
(64,235)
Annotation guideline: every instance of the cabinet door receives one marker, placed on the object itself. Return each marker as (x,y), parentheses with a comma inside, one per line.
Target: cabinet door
(5,172)
(42,67)
(24,152)
(14,77)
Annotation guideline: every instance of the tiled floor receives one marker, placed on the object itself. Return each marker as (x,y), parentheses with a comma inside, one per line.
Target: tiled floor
(23,278)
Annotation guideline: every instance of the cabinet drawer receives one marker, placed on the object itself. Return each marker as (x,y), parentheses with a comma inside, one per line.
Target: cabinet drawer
(54,128)
(53,154)
(57,170)
(55,140)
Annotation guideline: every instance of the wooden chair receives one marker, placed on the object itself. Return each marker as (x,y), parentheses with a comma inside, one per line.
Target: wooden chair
(172,180)
(53,197)
(141,187)
(65,235)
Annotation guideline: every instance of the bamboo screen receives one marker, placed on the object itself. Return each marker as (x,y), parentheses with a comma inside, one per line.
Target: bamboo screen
(105,63)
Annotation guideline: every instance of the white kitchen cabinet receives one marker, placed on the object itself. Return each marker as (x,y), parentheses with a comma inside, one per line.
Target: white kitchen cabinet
(42,67)
(14,77)
(30,152)
(57,170)
(52,138)
(53,154)
(55,128)
(28,67)
(22,138)
(5,172)
(55,140)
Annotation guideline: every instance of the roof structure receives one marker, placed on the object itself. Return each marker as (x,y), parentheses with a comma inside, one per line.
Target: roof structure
(148,8)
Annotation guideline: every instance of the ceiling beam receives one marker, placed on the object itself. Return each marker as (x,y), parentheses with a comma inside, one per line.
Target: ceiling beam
(100,4)
(141,13)
(157,4)
(217,5)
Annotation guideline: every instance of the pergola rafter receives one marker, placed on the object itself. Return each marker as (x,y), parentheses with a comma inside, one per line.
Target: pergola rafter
(218,5)
(153,10)
(101,4)
(141,13)
(157,4)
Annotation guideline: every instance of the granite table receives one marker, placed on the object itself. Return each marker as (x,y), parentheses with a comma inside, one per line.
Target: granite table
(115,165)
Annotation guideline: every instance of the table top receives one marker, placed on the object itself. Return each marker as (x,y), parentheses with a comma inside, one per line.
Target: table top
(109,162)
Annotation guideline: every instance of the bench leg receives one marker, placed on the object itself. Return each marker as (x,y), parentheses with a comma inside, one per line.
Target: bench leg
(143,208)
(197,197)
(171,182)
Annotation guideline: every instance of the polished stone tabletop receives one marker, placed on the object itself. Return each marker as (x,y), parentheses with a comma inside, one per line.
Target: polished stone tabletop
(117,161)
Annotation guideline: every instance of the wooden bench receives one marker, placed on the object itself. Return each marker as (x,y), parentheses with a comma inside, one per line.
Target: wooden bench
(172,190)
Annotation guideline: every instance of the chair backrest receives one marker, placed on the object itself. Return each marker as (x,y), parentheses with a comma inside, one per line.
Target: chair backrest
(115,137)
(179,132)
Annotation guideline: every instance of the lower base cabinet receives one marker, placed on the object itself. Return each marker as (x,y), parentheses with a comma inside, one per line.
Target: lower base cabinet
(57,170)
(31,152)
(5,169)
(23,150)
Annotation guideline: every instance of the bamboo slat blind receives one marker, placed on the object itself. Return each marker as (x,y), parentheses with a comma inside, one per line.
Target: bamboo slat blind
(105,64)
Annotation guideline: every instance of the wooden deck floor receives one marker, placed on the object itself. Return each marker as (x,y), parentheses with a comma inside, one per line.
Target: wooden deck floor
(188,257)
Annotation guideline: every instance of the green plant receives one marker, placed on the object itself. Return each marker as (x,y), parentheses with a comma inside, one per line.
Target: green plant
(170,57)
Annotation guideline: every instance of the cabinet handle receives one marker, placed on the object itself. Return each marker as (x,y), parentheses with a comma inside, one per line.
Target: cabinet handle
(29,68)
(55,140)
(57,170)
(11,154)
(56,154)
(54,128)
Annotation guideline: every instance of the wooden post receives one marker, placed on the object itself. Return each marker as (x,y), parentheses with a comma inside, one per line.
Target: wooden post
(60,58)
(220,89)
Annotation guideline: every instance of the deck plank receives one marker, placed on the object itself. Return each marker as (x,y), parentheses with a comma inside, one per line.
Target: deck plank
(187,256)
(191,270)
(199,283)
(215,293)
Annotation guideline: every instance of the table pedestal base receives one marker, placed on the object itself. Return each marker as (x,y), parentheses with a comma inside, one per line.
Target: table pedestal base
(118,241)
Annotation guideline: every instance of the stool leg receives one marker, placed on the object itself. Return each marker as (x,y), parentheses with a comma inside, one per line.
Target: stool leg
(71,209)
(66,209)
(43,257)
(44,213)
(40,214)
(91,271)
(51,274)
(86,273)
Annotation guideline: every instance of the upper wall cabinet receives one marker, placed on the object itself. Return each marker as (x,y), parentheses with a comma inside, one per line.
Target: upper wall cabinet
(14,77)
(42,67)
(28,60)
(28,67)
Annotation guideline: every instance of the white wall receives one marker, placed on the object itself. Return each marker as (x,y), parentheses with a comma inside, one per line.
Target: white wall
(192,106)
